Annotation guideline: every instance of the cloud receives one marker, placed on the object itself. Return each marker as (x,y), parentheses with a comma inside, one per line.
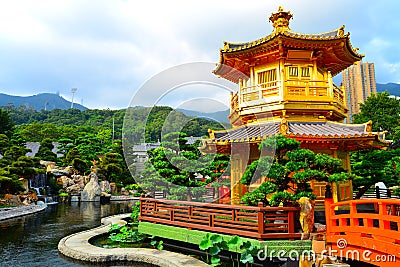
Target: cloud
(108,49)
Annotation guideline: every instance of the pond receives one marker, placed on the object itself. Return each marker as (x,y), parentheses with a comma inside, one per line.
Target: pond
(32,240)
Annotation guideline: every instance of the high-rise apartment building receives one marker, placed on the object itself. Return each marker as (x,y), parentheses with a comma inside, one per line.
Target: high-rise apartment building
(359,83)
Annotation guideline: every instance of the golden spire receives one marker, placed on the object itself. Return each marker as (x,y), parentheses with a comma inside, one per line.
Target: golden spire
(280,20)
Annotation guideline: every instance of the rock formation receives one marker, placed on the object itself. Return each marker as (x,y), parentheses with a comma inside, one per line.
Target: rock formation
(92,190)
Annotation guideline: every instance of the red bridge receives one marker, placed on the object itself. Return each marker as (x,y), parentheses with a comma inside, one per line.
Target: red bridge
(364,230)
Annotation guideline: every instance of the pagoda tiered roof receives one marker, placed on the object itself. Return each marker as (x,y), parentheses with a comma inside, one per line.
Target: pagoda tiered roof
(332,50)
(316,131)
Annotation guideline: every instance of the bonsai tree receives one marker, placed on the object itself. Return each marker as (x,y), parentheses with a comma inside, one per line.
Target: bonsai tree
(289,172)
(45,150)
(183,166)
(9,183)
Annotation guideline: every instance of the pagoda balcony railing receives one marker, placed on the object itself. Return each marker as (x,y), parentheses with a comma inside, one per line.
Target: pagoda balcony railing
(301,88)
(255,222)
(293,90)
(259,91)
(338,94)
(234,102)
(298,89)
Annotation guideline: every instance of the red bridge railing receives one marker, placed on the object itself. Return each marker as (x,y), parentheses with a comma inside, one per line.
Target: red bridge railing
(366,224)
(255,222)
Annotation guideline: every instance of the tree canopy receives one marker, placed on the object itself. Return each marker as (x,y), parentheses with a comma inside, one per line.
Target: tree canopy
(289,171)
(6,123)
(181,169)
(384,112)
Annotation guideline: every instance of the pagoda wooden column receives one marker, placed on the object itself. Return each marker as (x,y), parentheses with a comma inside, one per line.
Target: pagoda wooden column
(239,159)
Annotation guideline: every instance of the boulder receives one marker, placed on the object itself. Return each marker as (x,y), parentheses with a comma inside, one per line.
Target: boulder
(92,190)
(86,179)
(74,189)
(74,198)
(65,181)
(58,173)
(105,186)
(124,192)
(12,199)
(78,180)
(114,189)
(70,170)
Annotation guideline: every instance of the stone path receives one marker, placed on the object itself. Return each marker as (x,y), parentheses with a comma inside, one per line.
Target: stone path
(77,246)
(123,198)
(10,213)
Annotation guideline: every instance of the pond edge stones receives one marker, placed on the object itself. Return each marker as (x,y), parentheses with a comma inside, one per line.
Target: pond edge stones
(77,246)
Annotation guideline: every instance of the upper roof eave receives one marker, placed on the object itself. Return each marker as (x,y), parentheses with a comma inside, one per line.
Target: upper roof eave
(234,48)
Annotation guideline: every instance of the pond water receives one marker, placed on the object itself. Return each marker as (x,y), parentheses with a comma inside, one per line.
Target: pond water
(32,240)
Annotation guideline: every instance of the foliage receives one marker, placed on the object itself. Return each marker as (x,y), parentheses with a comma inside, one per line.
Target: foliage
(124,233)
(6,123)
(45,150)
(63,194)
(259,194)
(285,198)
(85,139)
(290,169)
(72,123)
(383,110)
(158,245)
(9,183)
(301,194)
(4,143)
(24,167)
(396,191)
(372,166)
(135,212)
(343,177)
(182,165)
(213,244)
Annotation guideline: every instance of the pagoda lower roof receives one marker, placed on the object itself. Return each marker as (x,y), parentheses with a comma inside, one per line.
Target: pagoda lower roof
(316,130)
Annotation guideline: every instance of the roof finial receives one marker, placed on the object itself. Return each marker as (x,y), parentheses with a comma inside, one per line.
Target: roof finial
(280,20)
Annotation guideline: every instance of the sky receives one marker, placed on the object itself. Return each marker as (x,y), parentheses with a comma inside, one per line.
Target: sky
(110,49)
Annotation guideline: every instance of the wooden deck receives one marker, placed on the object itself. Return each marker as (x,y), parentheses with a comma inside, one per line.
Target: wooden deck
(261,223)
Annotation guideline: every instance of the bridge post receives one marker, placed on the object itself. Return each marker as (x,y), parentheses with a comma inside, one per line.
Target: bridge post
(328,202)
(378,192)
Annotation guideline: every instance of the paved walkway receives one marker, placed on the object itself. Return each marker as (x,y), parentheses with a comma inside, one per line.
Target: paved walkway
(77,246)
(10,213)
(123,198)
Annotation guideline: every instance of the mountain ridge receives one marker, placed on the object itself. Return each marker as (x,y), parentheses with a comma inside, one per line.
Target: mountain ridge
(392,88)
(47,101)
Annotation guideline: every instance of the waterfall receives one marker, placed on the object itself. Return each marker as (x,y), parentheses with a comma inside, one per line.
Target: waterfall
(40,184)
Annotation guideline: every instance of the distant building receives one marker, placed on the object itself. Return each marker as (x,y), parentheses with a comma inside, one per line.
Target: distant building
(359,83)
(140,151)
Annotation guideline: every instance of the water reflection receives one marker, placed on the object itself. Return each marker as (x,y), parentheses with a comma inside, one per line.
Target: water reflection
(32,240)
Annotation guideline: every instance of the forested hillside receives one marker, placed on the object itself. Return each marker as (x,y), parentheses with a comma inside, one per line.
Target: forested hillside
(55,124)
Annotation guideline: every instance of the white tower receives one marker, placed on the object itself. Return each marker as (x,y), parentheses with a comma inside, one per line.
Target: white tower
(73,91)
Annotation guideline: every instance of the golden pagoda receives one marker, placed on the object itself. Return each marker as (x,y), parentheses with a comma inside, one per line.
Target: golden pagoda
(285,87)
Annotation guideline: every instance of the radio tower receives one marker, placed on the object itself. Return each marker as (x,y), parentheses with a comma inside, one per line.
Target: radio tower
(73,91)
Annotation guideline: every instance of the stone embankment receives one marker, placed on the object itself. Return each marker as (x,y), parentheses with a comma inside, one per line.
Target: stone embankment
(14,212)
(77,246)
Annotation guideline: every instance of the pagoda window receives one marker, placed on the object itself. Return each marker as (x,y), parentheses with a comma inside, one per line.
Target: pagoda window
(305,72)
(267,78)
(293,71)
